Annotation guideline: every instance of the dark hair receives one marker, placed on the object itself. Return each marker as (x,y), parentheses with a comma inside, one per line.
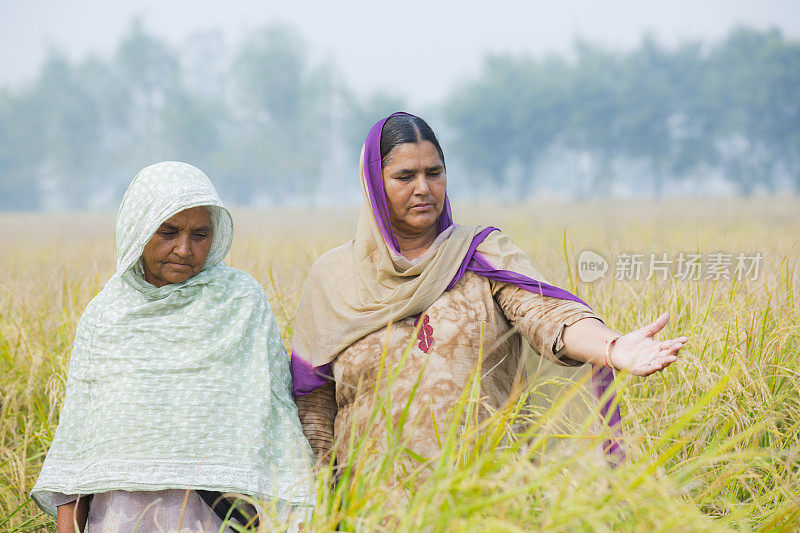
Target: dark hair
(401,129)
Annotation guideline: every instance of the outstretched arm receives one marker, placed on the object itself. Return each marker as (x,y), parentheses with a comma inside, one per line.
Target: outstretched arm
(637,352)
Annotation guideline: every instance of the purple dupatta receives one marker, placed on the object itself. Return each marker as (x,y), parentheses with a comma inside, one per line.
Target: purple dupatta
(306,378)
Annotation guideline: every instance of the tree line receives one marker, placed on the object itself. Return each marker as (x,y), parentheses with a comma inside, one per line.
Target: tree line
(269,125)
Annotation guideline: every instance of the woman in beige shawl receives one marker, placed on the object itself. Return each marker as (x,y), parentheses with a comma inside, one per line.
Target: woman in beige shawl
(452,293)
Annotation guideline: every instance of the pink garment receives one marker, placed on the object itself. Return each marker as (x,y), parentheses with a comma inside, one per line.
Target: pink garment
(163,511)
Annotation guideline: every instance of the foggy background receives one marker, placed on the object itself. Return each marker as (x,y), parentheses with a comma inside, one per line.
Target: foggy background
(273,100)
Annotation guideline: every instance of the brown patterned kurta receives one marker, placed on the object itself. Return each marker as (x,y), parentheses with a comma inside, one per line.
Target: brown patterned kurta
(444,351)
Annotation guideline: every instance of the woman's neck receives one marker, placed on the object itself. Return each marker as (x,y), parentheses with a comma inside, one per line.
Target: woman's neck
(414,246)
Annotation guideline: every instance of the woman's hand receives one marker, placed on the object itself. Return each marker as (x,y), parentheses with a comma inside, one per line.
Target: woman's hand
(638,353)
(73,514)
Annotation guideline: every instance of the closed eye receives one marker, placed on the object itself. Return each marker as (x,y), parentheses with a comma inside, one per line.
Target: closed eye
(435,170)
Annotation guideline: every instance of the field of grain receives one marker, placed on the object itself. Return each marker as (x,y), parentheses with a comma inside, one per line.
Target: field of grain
(713,442)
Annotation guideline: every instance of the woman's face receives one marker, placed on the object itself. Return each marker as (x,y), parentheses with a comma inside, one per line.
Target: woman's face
(415,181)
(179,248)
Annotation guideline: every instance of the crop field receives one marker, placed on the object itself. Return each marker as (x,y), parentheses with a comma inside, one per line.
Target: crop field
(712,443)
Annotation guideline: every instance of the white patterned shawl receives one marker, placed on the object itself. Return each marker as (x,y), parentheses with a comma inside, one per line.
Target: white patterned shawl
(182,386)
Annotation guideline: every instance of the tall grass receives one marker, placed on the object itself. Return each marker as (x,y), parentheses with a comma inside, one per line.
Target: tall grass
(713,442)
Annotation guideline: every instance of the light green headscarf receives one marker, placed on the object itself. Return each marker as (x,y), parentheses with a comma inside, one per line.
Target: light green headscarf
(182,386)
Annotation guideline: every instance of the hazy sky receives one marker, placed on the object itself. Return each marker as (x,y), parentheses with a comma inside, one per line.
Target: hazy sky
(415,48)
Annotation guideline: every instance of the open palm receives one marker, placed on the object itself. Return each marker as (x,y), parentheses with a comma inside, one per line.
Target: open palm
(640,354)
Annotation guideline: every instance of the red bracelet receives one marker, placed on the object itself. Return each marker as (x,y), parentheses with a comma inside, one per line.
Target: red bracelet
(609,363)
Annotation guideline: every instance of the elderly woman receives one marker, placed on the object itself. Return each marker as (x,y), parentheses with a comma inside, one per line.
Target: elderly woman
(456,295)
(179,386)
